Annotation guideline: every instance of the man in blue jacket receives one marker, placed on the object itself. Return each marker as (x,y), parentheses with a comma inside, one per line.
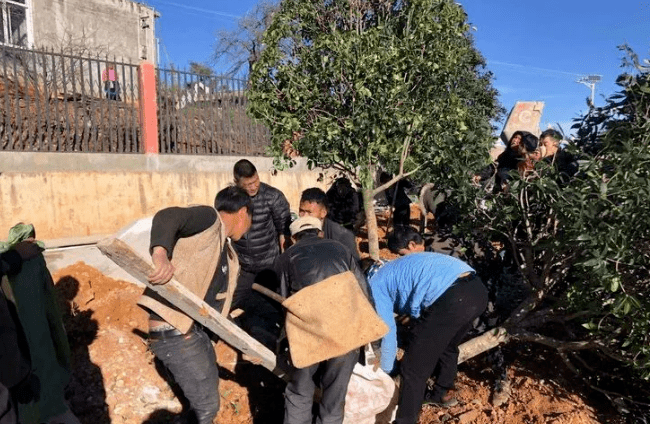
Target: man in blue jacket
(443,295)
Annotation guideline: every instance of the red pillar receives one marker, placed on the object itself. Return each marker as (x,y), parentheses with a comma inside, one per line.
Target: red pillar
(148,108)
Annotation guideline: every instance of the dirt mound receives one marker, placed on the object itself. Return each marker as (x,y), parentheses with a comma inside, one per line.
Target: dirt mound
(116,379)
(532,401)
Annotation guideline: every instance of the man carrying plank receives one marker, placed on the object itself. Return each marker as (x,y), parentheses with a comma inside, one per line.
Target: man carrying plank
(329,317)
(193,245)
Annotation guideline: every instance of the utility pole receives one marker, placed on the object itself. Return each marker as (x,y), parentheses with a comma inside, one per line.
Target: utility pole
(590,81)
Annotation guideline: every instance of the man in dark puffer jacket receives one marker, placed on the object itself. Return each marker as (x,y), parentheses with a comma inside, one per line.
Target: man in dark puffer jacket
(258,250)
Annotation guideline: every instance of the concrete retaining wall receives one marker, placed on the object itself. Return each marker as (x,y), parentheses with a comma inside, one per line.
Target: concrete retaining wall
(69,195)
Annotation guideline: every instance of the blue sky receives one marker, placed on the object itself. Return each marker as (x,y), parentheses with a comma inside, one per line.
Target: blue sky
(536,49)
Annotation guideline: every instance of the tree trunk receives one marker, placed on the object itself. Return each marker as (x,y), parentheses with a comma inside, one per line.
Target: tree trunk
(371,223)
(486,341)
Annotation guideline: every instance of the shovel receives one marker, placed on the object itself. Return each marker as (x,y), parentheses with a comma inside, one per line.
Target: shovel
(328,319)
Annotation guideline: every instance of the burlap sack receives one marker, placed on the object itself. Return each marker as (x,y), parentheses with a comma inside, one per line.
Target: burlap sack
(329,319)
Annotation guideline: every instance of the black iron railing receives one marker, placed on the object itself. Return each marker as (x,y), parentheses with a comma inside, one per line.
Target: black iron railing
(200,114)
(58,102)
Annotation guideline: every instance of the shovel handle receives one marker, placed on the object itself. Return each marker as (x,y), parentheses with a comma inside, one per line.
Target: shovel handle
(269,293)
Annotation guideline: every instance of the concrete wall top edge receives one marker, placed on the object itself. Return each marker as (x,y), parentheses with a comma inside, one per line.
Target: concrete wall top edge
(40,162)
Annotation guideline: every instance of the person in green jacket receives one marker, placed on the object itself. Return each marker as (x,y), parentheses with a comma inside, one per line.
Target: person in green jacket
(15,365)
(30,290)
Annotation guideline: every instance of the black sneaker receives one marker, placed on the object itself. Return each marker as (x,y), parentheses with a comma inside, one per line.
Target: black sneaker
(445,401)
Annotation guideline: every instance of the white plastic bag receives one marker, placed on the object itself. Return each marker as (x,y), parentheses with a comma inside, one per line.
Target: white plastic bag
(369,393)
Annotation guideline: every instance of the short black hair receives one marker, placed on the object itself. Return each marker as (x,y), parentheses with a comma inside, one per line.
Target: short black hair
(401,237)
(231,199)
(244,169)
(384,177)
(530,142)
(551,133)
(315,195)
(309,232)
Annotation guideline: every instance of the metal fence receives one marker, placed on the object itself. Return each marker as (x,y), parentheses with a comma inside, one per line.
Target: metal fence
(200,114)
(57,102)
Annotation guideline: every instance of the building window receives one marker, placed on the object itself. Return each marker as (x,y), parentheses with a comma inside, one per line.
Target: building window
(15,23)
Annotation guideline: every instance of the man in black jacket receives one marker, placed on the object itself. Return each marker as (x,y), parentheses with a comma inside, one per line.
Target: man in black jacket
(309,261)
(260,247)
(397,198)
(344,203)
(257,251)
(563,161)
(313,202)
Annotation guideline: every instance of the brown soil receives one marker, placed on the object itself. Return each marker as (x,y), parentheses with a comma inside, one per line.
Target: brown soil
(539,394)
(116,379)
(382,220)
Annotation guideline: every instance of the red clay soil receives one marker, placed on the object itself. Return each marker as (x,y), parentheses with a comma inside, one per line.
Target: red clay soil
(116,380)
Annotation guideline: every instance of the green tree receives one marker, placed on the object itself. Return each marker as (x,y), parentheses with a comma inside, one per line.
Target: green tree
(359,85)
(615,233)
(580,248)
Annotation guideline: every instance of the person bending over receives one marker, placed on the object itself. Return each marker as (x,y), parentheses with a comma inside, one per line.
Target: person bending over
(184,244)
(443,295)
(309,261)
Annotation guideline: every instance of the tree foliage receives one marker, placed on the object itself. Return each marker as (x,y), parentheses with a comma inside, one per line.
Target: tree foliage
(615,233)
(581,248)
(358,85)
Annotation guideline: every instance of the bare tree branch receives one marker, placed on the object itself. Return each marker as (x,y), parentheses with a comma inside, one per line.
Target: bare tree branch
(526,336)
(611,396)
(486,341)
(243,45)
(401,174)
(546,315)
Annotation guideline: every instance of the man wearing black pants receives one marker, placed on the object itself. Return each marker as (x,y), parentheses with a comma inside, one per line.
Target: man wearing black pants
(309,261)
(443,295)
(257,251)
(193,245)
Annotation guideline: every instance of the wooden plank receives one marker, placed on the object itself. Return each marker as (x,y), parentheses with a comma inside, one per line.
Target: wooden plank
(174,292)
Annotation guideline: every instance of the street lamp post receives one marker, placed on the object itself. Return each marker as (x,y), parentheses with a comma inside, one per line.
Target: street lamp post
(590,81)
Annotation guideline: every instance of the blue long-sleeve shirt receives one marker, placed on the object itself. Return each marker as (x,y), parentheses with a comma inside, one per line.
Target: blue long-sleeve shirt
(407,286)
